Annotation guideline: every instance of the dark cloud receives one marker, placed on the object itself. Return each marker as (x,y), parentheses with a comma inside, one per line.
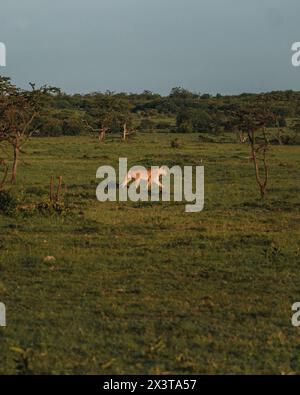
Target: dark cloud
(222,46)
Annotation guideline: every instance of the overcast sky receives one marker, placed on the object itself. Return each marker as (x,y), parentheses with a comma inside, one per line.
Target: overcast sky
(226,46)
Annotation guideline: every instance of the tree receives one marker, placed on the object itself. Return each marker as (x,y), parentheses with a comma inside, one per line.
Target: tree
(181,93)
(191,119)
(111,113)
(253,121)
(126,132)
(259,156)
(100,130)
(18,109)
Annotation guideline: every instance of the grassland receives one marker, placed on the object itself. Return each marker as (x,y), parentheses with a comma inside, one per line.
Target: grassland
(147,288)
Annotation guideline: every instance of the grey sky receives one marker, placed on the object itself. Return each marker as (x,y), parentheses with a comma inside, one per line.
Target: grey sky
(225,46)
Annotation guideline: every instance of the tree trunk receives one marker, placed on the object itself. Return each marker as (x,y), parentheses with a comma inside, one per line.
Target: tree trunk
(240,136)
(261,183)
(124,131)
(102,133)
(279,138)
(15,164)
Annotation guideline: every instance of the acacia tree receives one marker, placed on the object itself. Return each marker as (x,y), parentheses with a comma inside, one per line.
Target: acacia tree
(259,154)
(18,109)
(112,114)
(253,122)
(100,130)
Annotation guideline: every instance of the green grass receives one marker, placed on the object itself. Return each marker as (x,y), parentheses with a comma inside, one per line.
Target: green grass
(147,288)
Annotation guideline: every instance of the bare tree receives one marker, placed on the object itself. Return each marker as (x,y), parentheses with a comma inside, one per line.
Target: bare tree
(101,131)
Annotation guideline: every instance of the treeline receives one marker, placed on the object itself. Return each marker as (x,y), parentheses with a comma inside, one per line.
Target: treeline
(181,111)
(46,111)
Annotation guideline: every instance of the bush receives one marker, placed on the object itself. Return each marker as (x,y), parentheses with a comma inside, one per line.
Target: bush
(282,123)
(163,125)
(175,143)
(146,124)
(72,127)
(50,208)
(194,120)
(8,203)
(51,127)
(290,140)
(59,125)
(185,127)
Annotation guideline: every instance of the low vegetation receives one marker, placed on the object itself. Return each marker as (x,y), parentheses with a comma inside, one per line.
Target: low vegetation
(145,287)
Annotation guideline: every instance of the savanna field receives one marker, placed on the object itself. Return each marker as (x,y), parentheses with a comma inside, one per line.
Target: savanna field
(140,288)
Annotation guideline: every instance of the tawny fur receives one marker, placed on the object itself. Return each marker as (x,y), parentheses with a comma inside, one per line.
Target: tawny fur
(149,175)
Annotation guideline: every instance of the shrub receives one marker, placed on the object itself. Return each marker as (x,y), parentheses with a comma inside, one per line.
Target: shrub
(290,140)
(175,143)
(50,208)
(185,127)
(163,125)
(72,127)
(8,203)
(51,127)
(282,123)
(146,124)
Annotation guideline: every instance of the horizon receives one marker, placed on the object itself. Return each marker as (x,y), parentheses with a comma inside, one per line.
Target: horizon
(140,92)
